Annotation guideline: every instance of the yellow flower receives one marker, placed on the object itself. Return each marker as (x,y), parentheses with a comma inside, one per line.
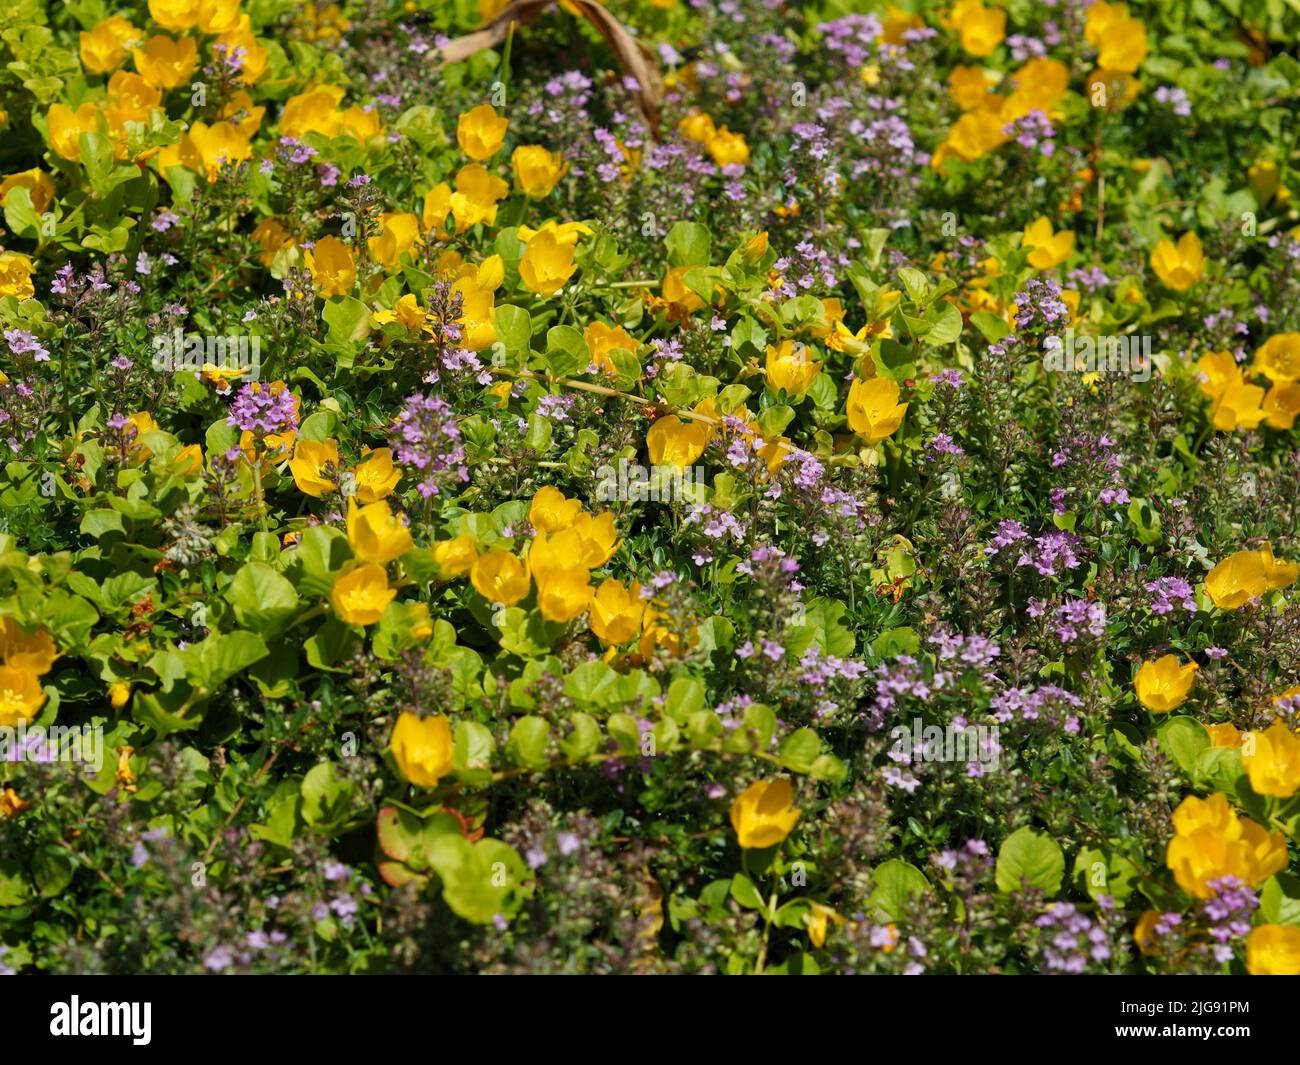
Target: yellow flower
(616,611)
(21,695)
(188,461)
(1273,950)
(602,339)
(697,127)
(873,408)
(271,235)
(308,466)
(552,510)
(551,553)
(1218,372)
(1120,40)
(376,476)
(1278,358)
(437,205)
(476,196)
(1049,249)
(981,28)
(1179,266)
(762,815)
(563,594)
(165,62)
(16,276)
(176,14)
(104,47)
(675,291)
(405,311)
(790,367)
(398,233)
(597,538)
(218,16)
(567,233)
(969,87)
(816,921)
(32,651)
(240,103)
(1143,932)
(1264,180)
(1214,813)
(1239,406)
(361,595)
(1224,734)
(66,126)
(1281,405)
(536,170)
(476,285)
(423,748)
(499,577)
(1272,761)
(896,23)
(1277,574)
(1246,575)
(1039,86)
(39,186)
(242,43)
(547,264)
(118,694)
(481,132)
(1165,683)
(11,804)
(728,148)
(313,111)
(375,534)
(1211,842)
(456,557)
(361,122)
(218,145)
(673,442)
(973,135)
(331,266)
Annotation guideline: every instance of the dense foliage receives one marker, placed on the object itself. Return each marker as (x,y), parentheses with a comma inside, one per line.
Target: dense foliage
(681,487)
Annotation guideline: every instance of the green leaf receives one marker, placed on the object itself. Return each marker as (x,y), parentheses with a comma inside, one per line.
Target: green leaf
(527,743)
(263,600)
(946,328)
(514,328)
(744,892)
(1279,902)
(800,749)
(479,880)
(585,737)
(990,325)
(591,682)
(327,797)
(684,697)
(472,756)
(348,319)
(915,284)
(893,883)
(219,657)
(689,244)
(822,626)
(1033,856)
(566,351)
(1183,739)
